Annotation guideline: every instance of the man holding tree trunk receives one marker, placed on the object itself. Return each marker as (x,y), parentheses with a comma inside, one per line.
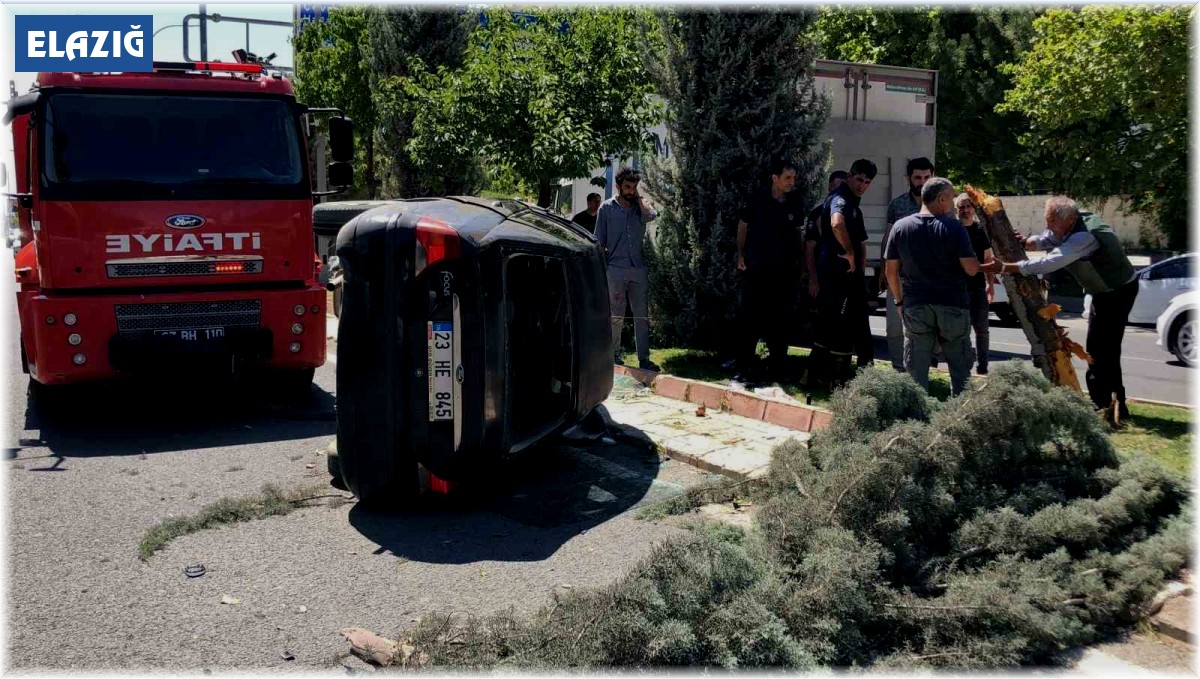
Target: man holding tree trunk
(1085,246)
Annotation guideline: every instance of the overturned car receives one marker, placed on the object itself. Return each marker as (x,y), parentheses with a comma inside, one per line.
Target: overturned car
(470,330)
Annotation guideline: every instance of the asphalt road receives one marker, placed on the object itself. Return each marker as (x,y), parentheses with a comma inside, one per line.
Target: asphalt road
(84,485)
(1150,372)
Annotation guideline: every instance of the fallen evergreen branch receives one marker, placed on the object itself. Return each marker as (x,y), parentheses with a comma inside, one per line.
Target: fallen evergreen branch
(993,531)
(271,501)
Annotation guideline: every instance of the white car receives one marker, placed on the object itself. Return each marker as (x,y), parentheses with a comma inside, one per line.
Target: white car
(1158,286)
(1179,328)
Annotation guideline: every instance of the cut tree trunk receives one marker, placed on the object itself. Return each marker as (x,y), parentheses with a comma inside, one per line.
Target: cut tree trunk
(1050,347)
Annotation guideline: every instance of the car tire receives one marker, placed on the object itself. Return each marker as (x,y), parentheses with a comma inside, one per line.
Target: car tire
(1185,339)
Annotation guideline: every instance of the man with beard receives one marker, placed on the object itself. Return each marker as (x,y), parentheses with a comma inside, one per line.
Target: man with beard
(621,231)
(918,171)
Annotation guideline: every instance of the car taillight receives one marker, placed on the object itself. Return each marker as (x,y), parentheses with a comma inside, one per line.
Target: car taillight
(436,240)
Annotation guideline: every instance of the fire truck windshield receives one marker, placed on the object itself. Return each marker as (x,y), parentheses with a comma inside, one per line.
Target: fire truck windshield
(138,147)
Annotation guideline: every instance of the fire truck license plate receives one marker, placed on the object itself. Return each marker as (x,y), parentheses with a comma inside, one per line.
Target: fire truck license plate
(192,334)
(441,371)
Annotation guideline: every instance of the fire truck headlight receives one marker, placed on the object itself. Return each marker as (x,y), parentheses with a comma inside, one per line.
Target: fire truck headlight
(297,328)
(79,359)
(74,339)
(298,309)
(294,347)
(70,319)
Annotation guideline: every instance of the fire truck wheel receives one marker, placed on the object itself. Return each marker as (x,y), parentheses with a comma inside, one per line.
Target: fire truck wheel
(45,397)
(295,385)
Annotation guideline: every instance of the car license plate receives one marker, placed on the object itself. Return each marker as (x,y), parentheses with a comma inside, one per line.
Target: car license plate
(192,334)
(441,371)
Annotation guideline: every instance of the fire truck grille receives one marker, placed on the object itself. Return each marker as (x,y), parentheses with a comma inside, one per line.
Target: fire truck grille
(183,315)
(182,269)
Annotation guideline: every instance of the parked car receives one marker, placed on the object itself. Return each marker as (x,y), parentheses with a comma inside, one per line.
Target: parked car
(1158,285)
(1001,306)
(1179,328)
(471,329)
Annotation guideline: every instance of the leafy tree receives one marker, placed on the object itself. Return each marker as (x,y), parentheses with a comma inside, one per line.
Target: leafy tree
(739,91)
(405,44)
(332,70)
(975,143)
(544,96)
(1105,92)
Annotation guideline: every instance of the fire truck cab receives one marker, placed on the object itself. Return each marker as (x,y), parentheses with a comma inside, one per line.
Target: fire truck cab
(165,224)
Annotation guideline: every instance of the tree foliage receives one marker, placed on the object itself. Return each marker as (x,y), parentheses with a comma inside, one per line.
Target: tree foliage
(332,70)
(1105,91)
(993,531)
(975,143)
(404,45)
(739,91)
(546,98)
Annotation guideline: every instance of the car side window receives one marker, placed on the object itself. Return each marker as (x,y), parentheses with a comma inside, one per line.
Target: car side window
(1179,268)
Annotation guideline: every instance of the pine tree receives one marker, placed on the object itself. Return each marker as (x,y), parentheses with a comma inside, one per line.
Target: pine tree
(404,43)
(739,90)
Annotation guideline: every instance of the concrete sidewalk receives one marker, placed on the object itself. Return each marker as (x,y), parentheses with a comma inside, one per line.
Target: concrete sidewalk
(737,447)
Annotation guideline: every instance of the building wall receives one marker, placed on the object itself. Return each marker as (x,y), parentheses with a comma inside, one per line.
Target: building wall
(1027,216)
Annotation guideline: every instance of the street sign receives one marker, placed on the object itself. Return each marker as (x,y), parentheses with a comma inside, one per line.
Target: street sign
(926,99)
(313,13)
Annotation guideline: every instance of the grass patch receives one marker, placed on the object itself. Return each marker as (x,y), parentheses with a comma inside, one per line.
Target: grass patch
(1162,432)
(705,366)
(271,501)
(717,491)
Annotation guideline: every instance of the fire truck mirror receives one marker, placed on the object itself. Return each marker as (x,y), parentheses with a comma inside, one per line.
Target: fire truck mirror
(341,139)
(340,175)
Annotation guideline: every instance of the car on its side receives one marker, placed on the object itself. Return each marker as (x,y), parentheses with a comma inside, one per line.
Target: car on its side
(470,330)
(1179,328)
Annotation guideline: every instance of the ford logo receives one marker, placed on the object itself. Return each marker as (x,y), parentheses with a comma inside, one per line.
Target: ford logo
(184,221)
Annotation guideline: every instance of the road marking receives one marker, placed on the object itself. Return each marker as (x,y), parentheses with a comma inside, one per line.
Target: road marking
(1123,358)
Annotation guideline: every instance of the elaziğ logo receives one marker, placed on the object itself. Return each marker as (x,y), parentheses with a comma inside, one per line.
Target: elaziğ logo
(83,43)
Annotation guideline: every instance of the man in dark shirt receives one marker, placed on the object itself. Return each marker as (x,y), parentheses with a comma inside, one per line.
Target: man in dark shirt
(587,218)
(931,252)
(812,232)
(980,286)
(843,323)
(917,172)
(769,226)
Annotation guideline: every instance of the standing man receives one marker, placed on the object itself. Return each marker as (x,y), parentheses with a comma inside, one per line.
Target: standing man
(918,171)
(1084,245)
(931,253)
(587,218)
(621,230)
(812,233)
(843,318)
(981,286)
(770,224)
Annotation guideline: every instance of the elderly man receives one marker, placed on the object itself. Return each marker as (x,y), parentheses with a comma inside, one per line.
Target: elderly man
(931,253)
(917,172)
(1084,245)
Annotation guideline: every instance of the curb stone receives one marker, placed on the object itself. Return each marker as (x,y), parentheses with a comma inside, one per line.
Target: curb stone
(794,416)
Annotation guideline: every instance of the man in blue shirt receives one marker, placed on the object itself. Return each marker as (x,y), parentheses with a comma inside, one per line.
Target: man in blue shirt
(843,319)
(621,231)
(932,254)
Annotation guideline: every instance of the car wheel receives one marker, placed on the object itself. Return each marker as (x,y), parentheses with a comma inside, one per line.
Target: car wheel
(1185,339)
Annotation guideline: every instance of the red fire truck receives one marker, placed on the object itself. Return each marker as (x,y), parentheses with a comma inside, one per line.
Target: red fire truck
(165,224)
